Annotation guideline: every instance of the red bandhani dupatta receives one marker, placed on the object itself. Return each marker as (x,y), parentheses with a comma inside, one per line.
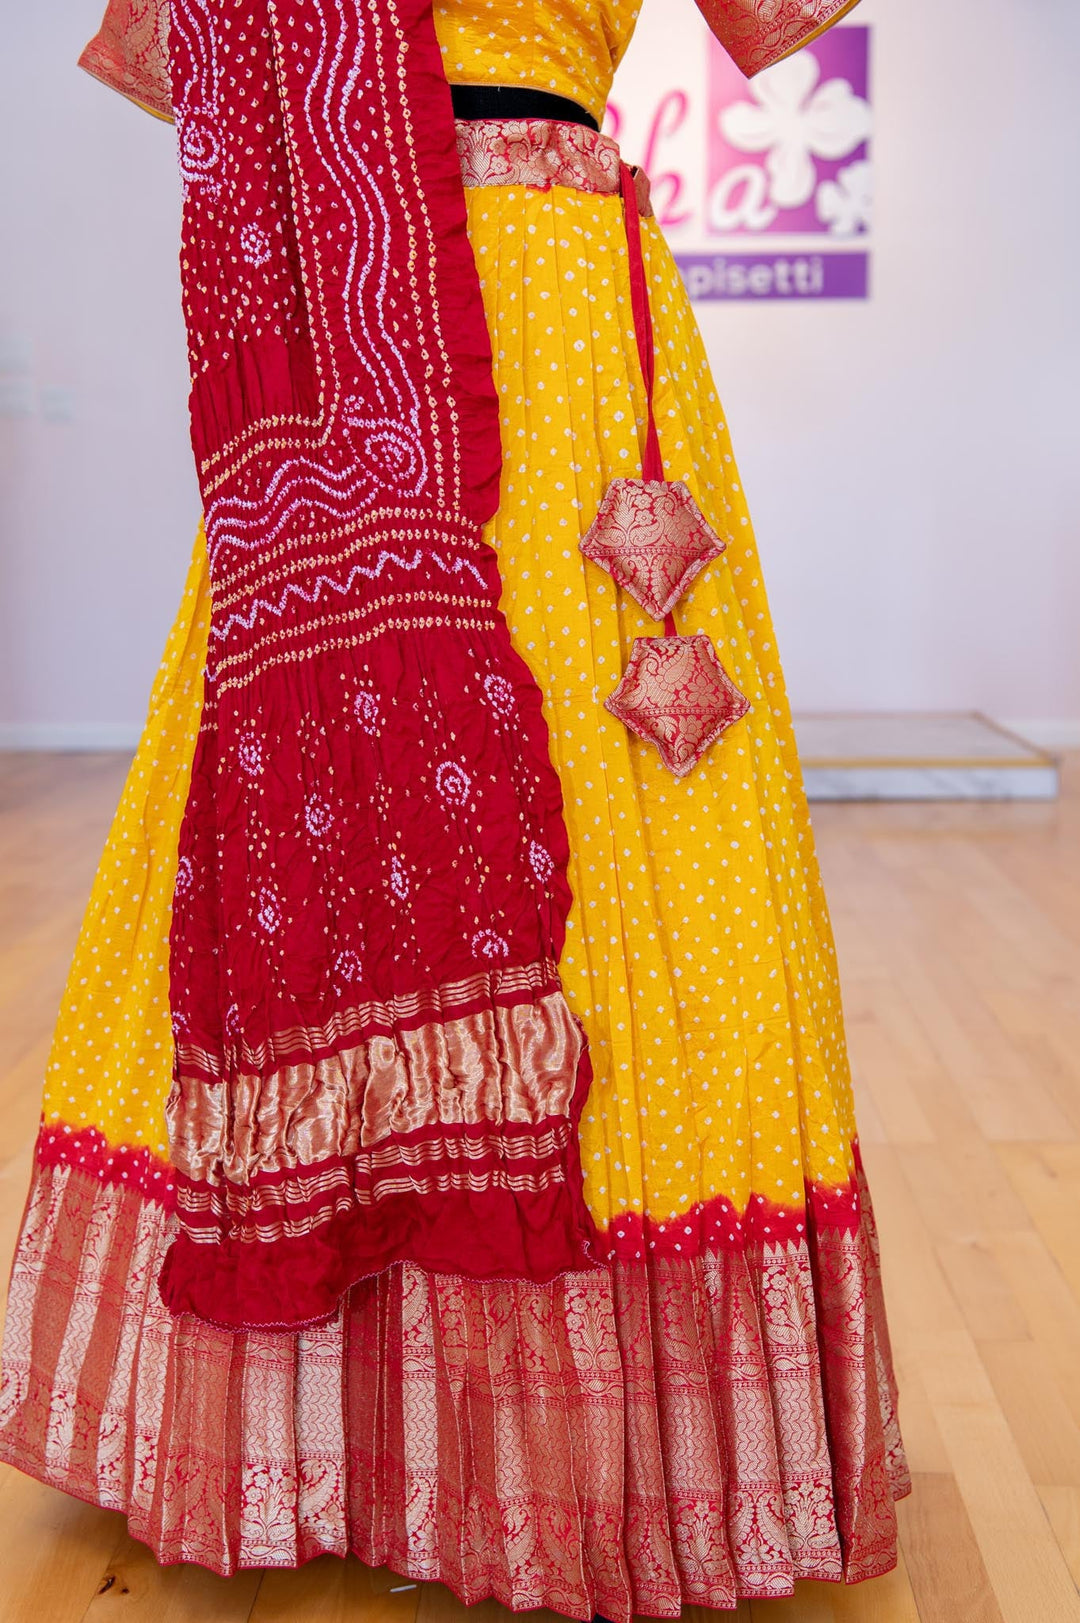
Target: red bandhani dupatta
(374,1059)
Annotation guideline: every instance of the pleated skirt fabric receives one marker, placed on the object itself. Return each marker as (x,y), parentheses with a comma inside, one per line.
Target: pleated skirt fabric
(713,1414)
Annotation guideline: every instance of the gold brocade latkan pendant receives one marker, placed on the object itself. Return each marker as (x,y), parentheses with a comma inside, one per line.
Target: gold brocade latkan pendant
(653,540)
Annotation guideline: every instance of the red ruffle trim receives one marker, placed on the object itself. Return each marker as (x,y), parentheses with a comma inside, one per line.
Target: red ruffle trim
(460,313)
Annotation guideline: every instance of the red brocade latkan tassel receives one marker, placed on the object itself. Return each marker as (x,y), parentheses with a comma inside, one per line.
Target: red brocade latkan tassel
(676,694)
(653,540)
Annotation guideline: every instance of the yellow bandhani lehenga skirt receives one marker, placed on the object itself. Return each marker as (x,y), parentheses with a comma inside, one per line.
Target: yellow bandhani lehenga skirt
(710,1416)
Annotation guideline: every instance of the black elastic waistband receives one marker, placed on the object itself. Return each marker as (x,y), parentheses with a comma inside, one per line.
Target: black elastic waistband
(517,101)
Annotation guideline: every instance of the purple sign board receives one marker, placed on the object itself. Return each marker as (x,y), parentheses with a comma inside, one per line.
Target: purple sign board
(788,153)
(763,186)
(788,157)
(776,275)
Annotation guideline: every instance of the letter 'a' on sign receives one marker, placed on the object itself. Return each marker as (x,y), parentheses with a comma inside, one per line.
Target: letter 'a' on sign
(788,160)
(764,187)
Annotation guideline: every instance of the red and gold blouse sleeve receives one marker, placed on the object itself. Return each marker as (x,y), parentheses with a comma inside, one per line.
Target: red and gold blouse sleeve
(757,33)
(130,53)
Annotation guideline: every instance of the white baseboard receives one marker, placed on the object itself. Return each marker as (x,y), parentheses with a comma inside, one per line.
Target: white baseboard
(69,735)
(1058,734)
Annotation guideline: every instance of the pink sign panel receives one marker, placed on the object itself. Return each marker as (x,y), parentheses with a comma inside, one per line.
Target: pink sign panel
(771,275)
(788,156)
(789,152)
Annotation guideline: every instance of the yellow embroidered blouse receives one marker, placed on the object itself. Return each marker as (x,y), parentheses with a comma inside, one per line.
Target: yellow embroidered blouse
(561,46)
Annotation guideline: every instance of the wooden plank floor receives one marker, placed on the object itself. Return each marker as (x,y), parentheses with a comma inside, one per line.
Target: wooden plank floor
(959,938)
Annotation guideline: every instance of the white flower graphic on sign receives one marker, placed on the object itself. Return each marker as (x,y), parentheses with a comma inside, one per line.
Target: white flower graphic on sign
(794,119)
(845,204)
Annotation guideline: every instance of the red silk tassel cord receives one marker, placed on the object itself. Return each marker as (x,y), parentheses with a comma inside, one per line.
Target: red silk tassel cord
(652,462)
